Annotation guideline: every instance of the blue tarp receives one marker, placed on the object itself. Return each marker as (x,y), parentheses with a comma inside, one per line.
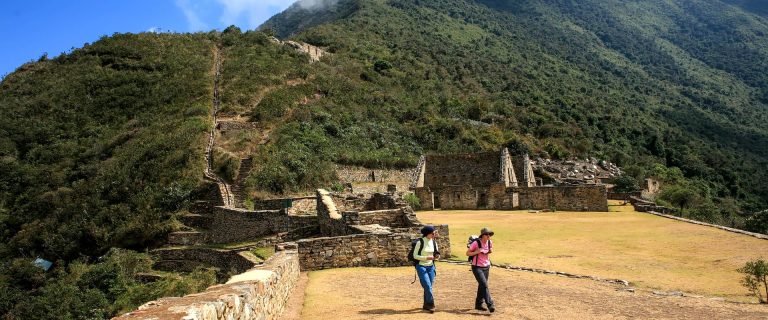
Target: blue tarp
(43,264)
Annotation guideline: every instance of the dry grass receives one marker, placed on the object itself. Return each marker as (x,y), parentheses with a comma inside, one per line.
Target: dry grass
(649,251)
(375,293)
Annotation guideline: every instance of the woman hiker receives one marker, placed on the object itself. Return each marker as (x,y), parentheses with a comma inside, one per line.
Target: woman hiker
(481,266)
(426,254)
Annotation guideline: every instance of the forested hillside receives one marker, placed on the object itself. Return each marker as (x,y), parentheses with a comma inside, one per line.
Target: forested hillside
(102,147)
(672,89)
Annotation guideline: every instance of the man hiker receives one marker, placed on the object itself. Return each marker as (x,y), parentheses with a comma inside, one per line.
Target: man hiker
(481,266)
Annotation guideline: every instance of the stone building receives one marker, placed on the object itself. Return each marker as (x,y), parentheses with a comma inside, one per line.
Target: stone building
(496,180)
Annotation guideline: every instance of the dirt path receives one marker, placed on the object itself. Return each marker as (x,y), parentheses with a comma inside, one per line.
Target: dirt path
(296,302)
(366,293)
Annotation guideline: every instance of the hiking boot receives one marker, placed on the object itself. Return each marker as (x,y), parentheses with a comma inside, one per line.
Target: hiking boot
(492,309)
(481,308)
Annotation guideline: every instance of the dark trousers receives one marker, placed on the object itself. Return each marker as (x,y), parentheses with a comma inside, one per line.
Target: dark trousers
(483,292)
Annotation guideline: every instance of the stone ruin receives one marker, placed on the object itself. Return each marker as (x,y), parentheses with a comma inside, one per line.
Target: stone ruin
(342,231)
(491,180)
(575,171)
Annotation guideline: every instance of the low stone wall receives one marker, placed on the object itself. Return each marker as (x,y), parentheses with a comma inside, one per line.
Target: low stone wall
(565,198)
(623,195)
(236,225)
(380,249)
(360,250)
(390,218)
(187,259)
(303,206)
(360,174)
(259,293)
(299,205)
(752,234)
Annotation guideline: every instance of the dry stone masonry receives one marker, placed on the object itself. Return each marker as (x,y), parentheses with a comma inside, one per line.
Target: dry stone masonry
(259,293)
(491,180)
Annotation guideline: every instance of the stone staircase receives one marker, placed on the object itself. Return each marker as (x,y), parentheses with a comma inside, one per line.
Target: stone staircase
(237,188)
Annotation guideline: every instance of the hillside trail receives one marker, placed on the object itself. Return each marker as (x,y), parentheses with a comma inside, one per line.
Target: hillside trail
(373,293)
(226,195)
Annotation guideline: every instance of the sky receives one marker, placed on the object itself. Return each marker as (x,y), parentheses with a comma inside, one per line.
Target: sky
(28,29)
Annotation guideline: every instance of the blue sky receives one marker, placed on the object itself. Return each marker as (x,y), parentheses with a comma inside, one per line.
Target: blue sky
(30,28)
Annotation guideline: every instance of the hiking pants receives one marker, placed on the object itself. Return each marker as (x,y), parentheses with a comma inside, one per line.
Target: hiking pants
(483,292)
(427,278)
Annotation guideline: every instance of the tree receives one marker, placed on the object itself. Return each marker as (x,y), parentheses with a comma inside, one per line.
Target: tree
(756,278)
(625,184)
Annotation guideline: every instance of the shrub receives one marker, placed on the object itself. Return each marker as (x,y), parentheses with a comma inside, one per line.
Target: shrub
(412,201)
(756,278)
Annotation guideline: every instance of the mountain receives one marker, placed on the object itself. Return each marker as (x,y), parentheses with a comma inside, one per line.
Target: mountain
(103,147)
(679,83)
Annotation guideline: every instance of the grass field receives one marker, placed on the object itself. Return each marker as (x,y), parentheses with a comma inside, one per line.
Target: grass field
(647,250)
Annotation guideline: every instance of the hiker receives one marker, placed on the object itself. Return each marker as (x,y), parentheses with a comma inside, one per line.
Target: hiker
(426,254)
(481,266)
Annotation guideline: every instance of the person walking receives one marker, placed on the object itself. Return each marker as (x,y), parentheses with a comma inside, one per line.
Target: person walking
(479,250)
(426,253)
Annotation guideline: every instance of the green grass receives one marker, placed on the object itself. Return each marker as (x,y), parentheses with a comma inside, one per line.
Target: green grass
(647,250)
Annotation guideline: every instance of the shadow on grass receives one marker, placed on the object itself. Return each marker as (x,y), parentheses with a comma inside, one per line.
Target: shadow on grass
(419,310)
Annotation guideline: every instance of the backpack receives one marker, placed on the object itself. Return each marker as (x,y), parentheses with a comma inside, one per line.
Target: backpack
(474,238)
(413,260)
(420,243)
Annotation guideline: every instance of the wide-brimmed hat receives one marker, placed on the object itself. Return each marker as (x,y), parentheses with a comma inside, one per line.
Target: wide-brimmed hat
(487,231)
(427,230)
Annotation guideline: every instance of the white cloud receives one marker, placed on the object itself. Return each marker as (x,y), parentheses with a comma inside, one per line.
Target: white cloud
(315,4)
(247,14)
(190,11)
(255,12)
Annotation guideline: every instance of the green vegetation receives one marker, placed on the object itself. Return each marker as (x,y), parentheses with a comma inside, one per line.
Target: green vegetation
(89,291)
(99,148)
(412,201)
(756,278)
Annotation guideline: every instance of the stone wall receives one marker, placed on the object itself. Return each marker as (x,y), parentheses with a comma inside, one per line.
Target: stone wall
(329,217)
(477,169)
(382,249)
(259,293)
(426,198)
(236,225)
(390,218)
(350,174)
(564,198)
(187,259)
(302,205)
(380,201)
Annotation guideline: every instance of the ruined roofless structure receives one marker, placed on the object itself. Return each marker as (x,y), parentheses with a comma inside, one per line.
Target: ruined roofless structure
(496,180)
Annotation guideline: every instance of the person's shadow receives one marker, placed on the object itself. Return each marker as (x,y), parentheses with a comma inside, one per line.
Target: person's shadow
(419,310)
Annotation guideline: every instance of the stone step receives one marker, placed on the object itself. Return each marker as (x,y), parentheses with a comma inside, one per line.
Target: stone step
(187,238)
(197,221)
(246,164)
